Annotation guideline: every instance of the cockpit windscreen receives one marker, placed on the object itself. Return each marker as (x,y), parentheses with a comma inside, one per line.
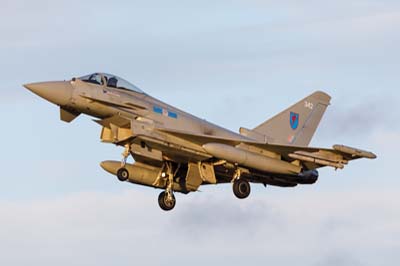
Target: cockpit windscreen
(110,81)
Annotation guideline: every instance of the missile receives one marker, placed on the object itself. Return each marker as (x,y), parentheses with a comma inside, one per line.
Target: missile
(251,160)
(310,159)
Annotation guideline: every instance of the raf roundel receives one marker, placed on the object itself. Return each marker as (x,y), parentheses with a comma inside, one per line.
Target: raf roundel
(294,120)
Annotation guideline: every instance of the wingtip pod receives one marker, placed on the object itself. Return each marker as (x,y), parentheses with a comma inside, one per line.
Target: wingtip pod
(354,152)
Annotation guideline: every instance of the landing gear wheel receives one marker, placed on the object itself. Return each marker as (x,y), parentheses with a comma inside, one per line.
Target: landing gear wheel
(166,203)
(122,174)
(241,189)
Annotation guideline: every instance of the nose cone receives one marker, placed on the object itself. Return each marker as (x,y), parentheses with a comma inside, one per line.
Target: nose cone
(57,92)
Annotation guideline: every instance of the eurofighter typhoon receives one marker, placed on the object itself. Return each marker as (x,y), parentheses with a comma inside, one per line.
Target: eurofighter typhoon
(178,152)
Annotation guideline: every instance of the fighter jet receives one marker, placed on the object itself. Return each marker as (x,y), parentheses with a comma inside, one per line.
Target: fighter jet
(177,152)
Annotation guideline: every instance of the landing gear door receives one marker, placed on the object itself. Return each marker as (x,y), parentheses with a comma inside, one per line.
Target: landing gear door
(193,177)
(207,173)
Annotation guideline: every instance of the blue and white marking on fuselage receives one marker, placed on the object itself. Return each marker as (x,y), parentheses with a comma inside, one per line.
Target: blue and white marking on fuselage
(164,112)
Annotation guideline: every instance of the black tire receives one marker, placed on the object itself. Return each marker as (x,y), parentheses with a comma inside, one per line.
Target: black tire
(122,174)
(241,189)
(164,203)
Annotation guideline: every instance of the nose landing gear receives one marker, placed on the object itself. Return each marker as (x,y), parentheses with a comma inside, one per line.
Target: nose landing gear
(122,173)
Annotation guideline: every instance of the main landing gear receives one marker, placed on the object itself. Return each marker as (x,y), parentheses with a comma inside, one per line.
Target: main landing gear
(166,202)
(166,199)
(241,187)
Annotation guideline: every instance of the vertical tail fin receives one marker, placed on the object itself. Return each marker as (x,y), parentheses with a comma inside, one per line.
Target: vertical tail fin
(297,124)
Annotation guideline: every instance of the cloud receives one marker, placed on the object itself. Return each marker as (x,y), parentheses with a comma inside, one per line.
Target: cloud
(100,228)
(360,117)
(216,214)
(339,259)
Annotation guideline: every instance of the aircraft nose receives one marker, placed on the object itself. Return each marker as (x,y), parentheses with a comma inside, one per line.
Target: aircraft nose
(57,92)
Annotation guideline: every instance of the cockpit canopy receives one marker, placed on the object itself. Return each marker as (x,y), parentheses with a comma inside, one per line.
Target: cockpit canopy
(110,81)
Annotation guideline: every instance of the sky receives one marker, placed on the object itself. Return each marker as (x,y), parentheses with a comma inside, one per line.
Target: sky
(234,63)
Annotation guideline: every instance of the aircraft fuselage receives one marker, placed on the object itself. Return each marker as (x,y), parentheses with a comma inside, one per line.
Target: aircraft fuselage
(176,151)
